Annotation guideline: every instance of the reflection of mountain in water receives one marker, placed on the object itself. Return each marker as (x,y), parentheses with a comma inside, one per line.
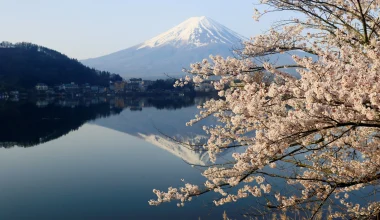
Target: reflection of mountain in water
(177,148)
(164,128)
(160,121)
(30,123)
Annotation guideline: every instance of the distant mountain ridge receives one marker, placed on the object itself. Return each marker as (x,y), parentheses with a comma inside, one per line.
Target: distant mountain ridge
(23,65)
(189,42)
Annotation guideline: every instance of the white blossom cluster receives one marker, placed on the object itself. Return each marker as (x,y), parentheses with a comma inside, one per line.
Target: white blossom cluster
(324,127)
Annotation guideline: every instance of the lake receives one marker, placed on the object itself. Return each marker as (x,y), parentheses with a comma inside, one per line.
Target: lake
(100,158)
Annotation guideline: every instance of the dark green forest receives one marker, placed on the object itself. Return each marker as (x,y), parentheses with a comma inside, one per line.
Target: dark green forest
(23,65)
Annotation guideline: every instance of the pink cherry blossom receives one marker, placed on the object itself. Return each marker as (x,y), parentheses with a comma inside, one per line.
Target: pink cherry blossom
(324,126)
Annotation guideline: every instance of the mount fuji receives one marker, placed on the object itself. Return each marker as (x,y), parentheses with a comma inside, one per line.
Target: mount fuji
(189,42)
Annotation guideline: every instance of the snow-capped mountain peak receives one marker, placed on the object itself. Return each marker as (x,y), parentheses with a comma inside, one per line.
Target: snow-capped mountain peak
(189,42)
(195,32)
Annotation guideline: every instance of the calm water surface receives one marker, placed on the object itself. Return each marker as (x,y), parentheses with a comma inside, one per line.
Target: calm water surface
(99,159)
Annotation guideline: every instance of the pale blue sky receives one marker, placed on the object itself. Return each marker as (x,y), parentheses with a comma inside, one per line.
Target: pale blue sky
(91,28)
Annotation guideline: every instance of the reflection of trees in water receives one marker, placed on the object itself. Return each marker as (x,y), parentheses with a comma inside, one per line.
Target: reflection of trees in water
(166,102)
(170,103)
(27,124)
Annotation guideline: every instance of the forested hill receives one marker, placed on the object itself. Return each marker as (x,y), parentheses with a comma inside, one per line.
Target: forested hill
(23,65)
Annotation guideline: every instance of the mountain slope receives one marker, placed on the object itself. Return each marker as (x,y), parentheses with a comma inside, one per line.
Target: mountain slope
(191,41)
(23,65)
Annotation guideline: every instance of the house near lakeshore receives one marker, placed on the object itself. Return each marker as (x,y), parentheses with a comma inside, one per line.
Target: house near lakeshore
(71,87)
(86,88)
(111,87)
(94,89)
(102,89)
(41,87)
(134,85)
(137,85)
(119,86)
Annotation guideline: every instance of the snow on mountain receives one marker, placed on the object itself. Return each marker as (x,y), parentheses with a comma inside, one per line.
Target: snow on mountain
(189,42)
(194,32)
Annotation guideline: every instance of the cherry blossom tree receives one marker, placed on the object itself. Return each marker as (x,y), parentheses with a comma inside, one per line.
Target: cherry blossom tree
(319,133)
